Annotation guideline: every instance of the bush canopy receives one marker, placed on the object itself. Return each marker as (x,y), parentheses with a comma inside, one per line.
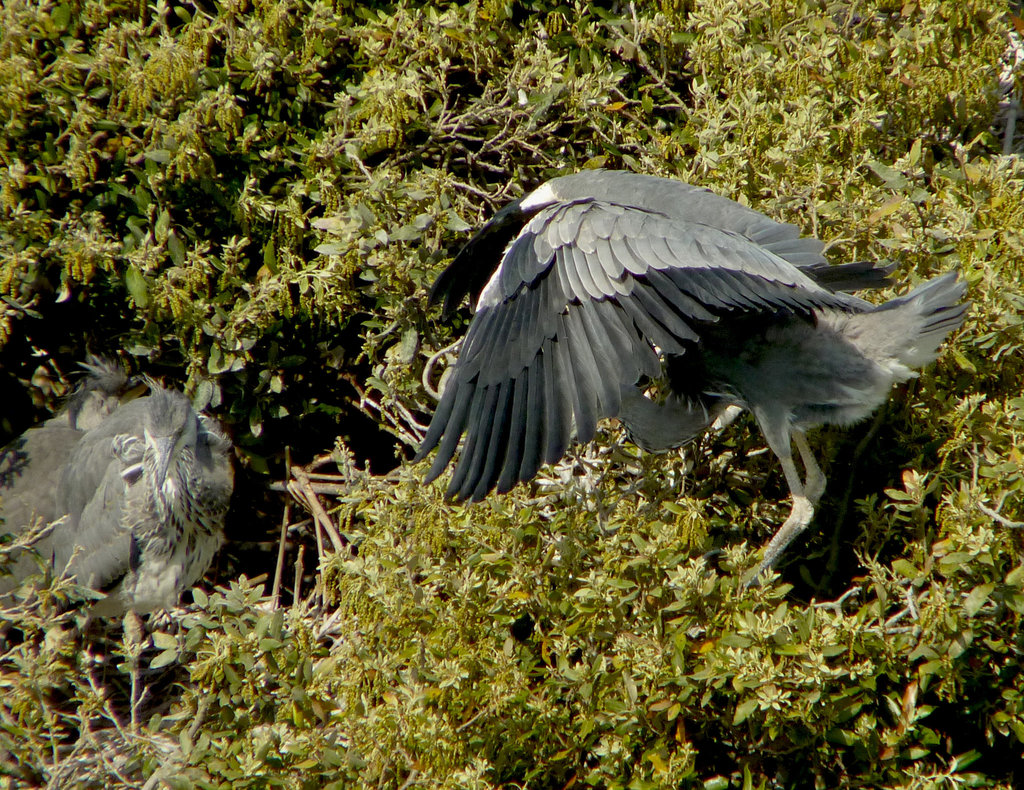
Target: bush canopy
(250,199)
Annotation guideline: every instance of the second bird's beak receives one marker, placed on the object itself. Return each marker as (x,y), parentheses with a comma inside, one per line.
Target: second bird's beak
(163,450)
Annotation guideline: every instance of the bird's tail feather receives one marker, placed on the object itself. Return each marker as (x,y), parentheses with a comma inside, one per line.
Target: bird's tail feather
(918,322)
(904,334)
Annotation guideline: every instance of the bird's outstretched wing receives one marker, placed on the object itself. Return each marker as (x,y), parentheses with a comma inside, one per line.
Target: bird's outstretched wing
(583,302)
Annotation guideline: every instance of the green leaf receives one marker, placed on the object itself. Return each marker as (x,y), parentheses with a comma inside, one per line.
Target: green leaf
(166,658)
(176,248)
(137,286)
(744,709)
(60,17)
(976,598)
(892,178)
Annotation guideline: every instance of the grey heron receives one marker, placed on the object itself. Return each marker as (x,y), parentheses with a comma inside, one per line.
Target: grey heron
(596,283)
(139,492)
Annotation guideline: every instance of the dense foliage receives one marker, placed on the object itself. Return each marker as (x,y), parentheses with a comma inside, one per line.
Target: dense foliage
(251,198)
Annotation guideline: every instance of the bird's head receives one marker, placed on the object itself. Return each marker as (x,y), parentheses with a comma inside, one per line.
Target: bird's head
(170,428)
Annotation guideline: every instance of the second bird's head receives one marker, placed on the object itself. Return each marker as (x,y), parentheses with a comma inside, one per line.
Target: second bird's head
(170,429)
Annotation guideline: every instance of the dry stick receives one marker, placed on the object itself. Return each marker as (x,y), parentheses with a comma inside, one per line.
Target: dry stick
(298,572)
(391,423)
(295,491)
(318,531)
(282,547)
(202,711)
(318,511)
(275,595)
(320,460)
(132,634)
(993,514)
(332,478)
(335,485)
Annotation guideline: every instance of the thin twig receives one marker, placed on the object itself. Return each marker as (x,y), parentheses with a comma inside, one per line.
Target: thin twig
(837,605)
(909,609)
(1001,519)
(275,595)
(201,713)
(428,368)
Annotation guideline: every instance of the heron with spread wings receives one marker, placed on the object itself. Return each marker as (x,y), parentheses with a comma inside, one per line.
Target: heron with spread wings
(597,283)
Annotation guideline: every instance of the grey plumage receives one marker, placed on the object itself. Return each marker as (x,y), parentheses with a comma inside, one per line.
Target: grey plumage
(31,465)
(141,488)
(598,282)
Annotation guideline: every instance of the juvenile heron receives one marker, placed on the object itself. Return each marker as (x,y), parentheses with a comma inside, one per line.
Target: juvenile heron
(32,463)
(143,493)
(597,283)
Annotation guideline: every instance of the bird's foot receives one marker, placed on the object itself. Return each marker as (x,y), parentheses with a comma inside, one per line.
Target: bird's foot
(799,517)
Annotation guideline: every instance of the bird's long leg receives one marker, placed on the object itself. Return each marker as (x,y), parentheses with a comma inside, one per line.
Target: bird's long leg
(814,478)
(778,436)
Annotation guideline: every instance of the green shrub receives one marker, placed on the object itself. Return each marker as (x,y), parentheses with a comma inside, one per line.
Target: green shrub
(253,198)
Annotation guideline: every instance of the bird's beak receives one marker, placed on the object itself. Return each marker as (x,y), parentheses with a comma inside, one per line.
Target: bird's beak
(163,450)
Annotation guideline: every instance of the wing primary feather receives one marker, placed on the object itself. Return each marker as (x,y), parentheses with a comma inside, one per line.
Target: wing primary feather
(684,304)
(613,362)
(622,340)
(628,341)
(556,405)
(656,308)
(702,285)
(516,338)
(755,289)
(853,276)
(532,331)
(580,394)
(478,440)
(588,370)
(452,430)
(497,445)
(441,420)
(475,430)
(479,339)
(652,331)
(533,431)
(559,293)
(486,351)
(515,433)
